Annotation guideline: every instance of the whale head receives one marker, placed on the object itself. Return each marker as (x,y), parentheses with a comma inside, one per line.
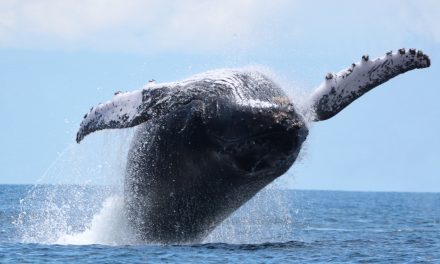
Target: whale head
(254,139)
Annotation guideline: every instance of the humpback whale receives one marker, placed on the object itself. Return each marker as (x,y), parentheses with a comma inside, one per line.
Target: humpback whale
(206,145)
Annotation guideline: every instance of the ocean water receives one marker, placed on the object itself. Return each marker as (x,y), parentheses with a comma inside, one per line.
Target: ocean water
(86,224)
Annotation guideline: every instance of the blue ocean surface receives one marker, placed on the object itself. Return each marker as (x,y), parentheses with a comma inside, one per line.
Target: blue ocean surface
(85,224)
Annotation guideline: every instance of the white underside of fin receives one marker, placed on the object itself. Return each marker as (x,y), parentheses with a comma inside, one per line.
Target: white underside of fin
(340,89)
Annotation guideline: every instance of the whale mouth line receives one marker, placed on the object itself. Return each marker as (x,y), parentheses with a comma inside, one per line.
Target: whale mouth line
(259,152)
(244,140)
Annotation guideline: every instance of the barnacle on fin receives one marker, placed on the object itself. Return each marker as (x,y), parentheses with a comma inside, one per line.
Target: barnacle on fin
(329,76)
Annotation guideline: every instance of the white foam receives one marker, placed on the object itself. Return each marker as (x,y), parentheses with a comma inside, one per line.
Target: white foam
(108,227)
(82,204)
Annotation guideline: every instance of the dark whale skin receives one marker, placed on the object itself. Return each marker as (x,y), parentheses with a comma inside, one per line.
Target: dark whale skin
(192,168)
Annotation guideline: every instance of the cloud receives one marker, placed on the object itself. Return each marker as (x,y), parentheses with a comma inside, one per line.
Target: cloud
(201,25)
(132,24)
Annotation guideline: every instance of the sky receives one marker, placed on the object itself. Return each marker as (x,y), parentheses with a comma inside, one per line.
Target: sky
(59,58)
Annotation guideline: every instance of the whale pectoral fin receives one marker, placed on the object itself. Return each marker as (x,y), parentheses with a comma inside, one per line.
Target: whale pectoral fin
(340,89)
(128,110)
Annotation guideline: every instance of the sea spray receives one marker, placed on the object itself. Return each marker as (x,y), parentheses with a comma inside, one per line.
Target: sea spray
(82,185)
(259,220)
(109,227)
(51,211)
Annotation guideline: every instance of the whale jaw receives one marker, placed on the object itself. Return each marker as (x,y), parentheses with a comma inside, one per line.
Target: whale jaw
(263,142)
(269,153)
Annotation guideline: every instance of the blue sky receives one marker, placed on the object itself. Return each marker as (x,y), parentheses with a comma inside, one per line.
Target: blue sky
(59,58)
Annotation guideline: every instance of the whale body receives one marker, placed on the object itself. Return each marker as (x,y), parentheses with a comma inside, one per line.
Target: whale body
(206,145)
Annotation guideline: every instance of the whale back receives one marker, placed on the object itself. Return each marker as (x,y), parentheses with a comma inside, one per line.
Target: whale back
(153,101)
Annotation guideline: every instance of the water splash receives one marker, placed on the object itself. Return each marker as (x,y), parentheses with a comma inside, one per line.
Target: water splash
(258,221)
(81,189)
(109,227)
(84,202)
